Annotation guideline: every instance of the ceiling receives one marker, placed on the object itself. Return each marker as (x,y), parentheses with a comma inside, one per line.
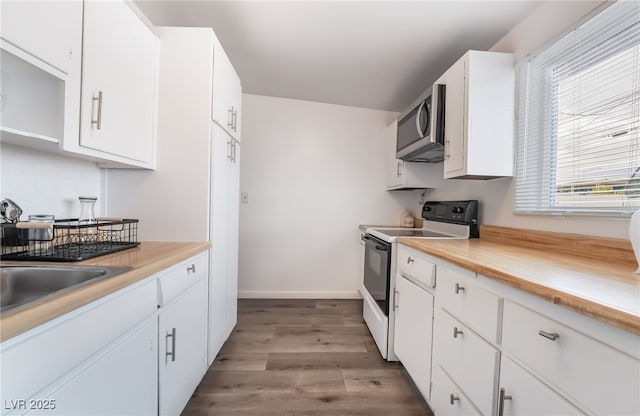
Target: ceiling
(372,54)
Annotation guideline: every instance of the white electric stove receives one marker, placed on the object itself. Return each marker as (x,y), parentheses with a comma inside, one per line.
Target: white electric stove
(442,220)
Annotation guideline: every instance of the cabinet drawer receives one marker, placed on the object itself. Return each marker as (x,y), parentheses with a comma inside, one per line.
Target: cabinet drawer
(529,396)
(377,322)
(33,360)
(470,303)
(411,264)
(602,379)
(471,362)
(447,398)
(181,277)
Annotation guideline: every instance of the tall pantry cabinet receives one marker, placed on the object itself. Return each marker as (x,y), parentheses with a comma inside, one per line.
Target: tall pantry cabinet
(193,195)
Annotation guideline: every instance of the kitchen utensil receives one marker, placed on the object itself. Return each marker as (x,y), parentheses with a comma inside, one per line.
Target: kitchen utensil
(10,211)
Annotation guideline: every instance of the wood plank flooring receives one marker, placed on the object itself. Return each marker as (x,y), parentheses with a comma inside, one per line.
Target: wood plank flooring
(303,358)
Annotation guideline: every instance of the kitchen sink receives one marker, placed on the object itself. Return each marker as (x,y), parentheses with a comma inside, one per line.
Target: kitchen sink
(21,285)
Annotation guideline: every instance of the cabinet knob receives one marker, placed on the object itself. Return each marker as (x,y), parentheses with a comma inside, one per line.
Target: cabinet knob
(459,288)
(551,336)
(191,269)
(409,260)
(456,332)
(453,399)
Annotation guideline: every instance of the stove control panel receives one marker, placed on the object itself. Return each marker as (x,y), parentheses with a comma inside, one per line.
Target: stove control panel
(457,212)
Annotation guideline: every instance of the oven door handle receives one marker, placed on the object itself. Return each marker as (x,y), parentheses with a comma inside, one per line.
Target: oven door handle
(378,247)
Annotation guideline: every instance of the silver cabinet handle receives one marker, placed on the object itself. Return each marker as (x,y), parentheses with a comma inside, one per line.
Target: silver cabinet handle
(398,174)
(502,398)
(233,151)
(191,269)
(234,120)
(409,260)
(171,353)
(230,118)
(396,298)
(552,336)
(229,149)
(459,288)
(456,332)
(98,121)
(453,399)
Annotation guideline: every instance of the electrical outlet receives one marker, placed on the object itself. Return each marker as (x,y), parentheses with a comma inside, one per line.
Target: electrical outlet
(423,197)
(244,197)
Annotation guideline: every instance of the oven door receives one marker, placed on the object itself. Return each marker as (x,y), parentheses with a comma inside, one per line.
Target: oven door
(377,264)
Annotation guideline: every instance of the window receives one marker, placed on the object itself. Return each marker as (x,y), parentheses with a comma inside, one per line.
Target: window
(578,146)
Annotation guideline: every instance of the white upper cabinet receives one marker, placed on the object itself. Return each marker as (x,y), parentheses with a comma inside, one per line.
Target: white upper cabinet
(47,30)
(118,85)
(41,44)
(227,93)
(479,116)
(401,174)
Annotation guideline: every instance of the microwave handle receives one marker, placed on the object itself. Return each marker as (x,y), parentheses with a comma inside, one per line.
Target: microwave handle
(420,109)
(438,99)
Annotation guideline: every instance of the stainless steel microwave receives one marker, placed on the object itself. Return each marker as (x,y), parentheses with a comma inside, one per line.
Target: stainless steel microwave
(421,131)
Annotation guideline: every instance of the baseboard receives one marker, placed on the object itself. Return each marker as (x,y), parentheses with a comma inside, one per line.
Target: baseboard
(298,295)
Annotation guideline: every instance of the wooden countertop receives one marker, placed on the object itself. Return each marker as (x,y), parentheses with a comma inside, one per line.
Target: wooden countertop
(146,259)
(604,289)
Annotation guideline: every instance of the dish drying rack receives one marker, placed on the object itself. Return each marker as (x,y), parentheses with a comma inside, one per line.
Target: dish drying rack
(67,239)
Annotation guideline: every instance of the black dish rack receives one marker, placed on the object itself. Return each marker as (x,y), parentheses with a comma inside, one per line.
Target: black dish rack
(68,240)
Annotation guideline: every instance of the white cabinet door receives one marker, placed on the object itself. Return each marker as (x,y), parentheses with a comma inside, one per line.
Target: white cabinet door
(118,82)
(48,30)
(401,174)
(218,235)
(472,363)
(121,380)
(526,395)
(454,148)
(182,349)
(227,92)
(395,167)
(414,331)
(231,315)
(479,108)
(448,398)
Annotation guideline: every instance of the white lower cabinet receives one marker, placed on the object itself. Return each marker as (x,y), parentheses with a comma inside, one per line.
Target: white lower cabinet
(523,394)
(414,331)
(182,340)
(447,398)
(141,350)
(120,380)
(470,361)
(599,377)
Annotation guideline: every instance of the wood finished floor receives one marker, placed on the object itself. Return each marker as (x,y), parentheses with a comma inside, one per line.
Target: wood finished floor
(303,358)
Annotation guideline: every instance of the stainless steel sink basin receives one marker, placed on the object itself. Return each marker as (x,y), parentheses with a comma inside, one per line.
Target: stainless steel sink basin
(20,285)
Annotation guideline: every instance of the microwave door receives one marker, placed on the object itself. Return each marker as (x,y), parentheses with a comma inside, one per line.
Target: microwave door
(423,118)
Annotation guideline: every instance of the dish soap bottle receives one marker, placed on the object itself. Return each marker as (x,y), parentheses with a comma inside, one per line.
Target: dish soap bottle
(407,220)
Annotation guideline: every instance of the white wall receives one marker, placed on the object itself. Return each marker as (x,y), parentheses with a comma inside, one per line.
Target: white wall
(313,173)
(47,183)
(546,23)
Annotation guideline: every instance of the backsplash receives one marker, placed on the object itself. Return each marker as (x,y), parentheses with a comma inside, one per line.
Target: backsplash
(46,183)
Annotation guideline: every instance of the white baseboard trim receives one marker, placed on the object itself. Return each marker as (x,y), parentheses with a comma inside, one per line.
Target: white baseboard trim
(298,295)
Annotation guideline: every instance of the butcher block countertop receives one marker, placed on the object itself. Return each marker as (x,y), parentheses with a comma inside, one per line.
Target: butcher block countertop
(145,260)
(593,276)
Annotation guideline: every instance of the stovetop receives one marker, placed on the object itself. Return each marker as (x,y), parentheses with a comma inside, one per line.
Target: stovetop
(442,220)
(413,232)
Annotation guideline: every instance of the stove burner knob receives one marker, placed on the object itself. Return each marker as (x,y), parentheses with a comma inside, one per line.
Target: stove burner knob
(427,209)
(458,210)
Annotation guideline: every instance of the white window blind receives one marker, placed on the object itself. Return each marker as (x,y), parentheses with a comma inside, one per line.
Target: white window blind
(578,145)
